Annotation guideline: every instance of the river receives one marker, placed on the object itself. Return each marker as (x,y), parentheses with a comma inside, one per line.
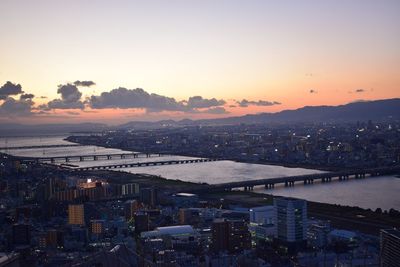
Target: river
(372,192)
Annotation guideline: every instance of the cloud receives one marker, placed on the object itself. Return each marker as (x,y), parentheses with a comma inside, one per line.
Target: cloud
(200,102)
(70,98)
(10,88)
(245,103)
(26,96)
(43,97)
(359,91)
(216,110)
(84,83)
(312,91)
(12,108)
(358,101)
(124,98)
(134,98)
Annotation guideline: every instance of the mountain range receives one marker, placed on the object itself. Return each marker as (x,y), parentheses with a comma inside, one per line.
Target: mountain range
(377,110)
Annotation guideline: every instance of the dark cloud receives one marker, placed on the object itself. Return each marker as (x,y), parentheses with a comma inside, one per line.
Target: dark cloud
(26,96)
(134,98)
(245,103)
(12,108)
(195,102)
(10,88)
(84,83)
(138,98)
(312,91)
(359,91)
(70,98)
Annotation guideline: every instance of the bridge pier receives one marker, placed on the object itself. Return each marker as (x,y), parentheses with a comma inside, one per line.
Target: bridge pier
(94,157)
(289,183)
(81,159)
(269,186)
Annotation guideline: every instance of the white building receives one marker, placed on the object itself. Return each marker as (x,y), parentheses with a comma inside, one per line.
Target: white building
(262,215)
(291,219)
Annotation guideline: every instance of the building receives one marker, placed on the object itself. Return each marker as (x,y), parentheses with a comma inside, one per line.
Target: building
(142,222)
(179,237)
(291,220)
(317,234)
(262,224)
(21,234)
(220,235)
(230,235)
(10,259)
(185,200)
(390,248)
(341,236)
(130,208)
(149,196)
(262,215)
(189,216)
(97,227)
(76,214)
(54,238)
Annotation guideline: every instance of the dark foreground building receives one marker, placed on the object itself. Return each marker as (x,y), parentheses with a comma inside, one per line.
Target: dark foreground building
(390,248)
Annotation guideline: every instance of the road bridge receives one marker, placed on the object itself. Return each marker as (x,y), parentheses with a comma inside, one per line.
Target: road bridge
(38,147)
(94,157)
(143,164)
(289,181)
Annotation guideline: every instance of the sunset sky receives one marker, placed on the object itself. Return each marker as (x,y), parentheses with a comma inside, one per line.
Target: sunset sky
(80,61)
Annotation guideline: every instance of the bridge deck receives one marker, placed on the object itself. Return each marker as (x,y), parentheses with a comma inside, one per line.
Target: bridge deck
(143,164)
(38,147)
(300,178)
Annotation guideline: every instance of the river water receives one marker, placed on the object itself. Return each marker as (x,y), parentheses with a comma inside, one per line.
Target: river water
(373,192)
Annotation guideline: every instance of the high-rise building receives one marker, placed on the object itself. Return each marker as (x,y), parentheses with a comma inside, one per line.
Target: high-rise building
(76,214)
(230,235)
(220,235)
(131,206)
(149,196)
(390,248)
(239,236)
(291,219)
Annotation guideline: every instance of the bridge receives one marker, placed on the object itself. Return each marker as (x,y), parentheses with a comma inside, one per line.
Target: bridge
(289,181)
(142,164)
(93,157)
(38,147)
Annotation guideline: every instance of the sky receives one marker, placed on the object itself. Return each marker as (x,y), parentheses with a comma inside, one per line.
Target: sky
(118,61)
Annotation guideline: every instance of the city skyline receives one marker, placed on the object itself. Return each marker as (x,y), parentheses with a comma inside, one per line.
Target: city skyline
(193,59)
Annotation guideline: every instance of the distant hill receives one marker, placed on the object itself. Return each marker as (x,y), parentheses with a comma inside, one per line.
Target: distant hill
(378,110)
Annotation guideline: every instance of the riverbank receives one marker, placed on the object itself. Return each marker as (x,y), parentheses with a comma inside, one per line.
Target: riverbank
(343,217)
(75,139)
